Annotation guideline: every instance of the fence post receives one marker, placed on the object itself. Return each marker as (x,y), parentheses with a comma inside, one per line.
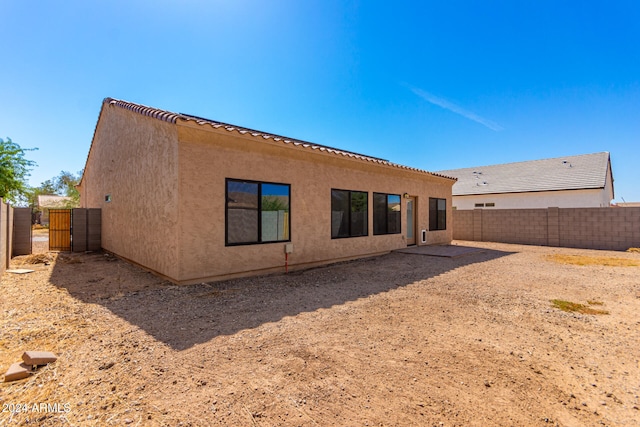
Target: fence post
(6,234)
(3,242)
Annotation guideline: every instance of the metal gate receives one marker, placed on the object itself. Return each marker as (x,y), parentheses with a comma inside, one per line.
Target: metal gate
(60,229)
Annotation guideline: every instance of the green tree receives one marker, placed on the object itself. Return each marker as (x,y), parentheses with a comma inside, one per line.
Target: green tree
(47,188)
(14,170)
(65,184)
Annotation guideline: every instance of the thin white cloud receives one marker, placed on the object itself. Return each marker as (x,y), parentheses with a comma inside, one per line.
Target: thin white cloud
(447,105)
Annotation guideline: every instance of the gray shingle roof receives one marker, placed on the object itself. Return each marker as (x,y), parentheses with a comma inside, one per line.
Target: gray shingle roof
(586,171)
(173,118)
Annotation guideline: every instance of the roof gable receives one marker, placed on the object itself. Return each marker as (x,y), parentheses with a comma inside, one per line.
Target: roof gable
(174,118)
(586,171)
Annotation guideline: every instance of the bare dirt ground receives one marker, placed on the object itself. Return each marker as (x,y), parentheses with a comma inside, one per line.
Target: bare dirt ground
(398,340)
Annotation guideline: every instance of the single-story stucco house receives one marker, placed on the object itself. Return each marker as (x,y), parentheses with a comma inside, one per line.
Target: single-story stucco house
(582,181)
(198,200)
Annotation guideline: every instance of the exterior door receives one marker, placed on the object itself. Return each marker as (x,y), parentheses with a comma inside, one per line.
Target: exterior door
(59,229)
(411,221)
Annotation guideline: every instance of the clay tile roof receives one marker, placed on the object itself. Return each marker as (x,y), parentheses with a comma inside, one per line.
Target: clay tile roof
(586,171)
(170,117)
(145,111)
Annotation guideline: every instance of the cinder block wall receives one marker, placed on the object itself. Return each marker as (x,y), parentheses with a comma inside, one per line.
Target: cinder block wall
(6,228)
(463,224)
(600,228)
(590,228)
(86,229)
(515,226)
(21,244)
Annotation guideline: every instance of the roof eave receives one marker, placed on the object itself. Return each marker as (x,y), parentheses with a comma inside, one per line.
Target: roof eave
(529,191)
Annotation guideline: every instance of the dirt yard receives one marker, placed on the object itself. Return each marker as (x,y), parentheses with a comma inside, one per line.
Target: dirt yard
(395,340)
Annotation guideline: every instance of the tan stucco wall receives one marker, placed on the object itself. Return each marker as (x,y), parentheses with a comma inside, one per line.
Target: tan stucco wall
(207,156)
(134,158)
(167,188)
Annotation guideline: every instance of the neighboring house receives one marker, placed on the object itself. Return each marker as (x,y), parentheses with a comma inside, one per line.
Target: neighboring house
(50,202)
(564,182)
(197,200)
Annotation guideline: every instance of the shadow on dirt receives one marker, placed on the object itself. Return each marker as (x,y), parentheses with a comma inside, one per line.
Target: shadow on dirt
(183,316)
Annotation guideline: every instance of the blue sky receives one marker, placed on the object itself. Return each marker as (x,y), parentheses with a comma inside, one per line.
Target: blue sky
(434,85)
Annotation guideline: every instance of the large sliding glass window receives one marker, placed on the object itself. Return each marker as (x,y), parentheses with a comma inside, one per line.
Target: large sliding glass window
(349,213)
(386,213)
(437,214)
(257,212)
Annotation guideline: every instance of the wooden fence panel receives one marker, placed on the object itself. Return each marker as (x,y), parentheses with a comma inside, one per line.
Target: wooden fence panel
(59,229)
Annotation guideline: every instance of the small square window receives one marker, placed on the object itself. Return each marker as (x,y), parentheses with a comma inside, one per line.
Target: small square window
(107,198)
